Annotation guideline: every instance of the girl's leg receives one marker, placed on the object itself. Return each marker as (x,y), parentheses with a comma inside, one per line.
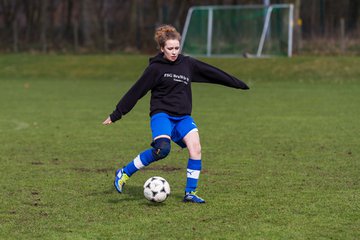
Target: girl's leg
(192,141)
(161,130)
(160,149)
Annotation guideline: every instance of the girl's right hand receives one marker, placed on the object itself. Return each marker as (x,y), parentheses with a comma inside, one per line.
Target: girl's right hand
(107,121)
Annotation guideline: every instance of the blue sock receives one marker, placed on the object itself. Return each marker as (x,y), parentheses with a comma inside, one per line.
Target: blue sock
(142,160)
(193,173)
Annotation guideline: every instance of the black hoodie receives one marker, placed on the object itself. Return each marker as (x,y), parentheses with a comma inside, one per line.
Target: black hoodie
(170,85)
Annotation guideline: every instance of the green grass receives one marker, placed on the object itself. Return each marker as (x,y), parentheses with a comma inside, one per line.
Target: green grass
(280,161)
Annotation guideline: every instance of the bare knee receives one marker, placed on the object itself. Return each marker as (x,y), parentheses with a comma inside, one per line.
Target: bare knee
(192,141)
(195,151)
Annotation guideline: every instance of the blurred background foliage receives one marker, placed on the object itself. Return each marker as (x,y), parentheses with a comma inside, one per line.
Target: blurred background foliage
(127,26)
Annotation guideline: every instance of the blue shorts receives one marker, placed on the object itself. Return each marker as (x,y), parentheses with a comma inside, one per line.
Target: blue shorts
(175,127)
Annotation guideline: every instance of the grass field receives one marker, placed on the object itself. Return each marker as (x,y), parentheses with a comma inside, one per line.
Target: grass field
(280,161)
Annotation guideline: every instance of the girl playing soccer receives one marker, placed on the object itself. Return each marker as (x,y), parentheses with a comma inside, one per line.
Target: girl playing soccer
(169,76)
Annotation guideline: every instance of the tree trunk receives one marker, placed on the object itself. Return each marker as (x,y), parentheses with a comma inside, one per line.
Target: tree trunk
(15,35)
(133,25)
(76,35)
(44,19)
(297,26)
(85,24)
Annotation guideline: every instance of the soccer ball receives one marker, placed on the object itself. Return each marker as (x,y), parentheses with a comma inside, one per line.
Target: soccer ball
(156,189)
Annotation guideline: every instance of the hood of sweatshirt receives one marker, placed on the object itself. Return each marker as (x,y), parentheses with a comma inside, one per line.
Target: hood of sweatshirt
(159,58)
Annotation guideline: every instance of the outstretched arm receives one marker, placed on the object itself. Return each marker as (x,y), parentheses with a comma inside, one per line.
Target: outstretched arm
(206,73)
(136,92)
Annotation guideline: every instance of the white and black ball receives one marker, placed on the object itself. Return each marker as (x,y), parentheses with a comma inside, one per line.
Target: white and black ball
(156,189)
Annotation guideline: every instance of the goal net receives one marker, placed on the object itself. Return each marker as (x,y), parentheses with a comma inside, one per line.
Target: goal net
(248,30)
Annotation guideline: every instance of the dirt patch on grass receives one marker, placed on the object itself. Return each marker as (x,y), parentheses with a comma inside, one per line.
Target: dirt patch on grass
(163,168)
(93,170)
(37,163)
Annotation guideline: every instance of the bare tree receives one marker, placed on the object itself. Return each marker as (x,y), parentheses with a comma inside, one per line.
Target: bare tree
(44,20)
(76,24)
(10,9)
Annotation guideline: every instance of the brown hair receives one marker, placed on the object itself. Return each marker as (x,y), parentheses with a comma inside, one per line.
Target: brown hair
(164,33)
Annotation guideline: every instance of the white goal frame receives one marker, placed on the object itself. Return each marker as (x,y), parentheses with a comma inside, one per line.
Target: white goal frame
(265,30)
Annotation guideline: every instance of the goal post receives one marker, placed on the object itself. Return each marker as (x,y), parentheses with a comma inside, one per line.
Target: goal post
(251,30)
